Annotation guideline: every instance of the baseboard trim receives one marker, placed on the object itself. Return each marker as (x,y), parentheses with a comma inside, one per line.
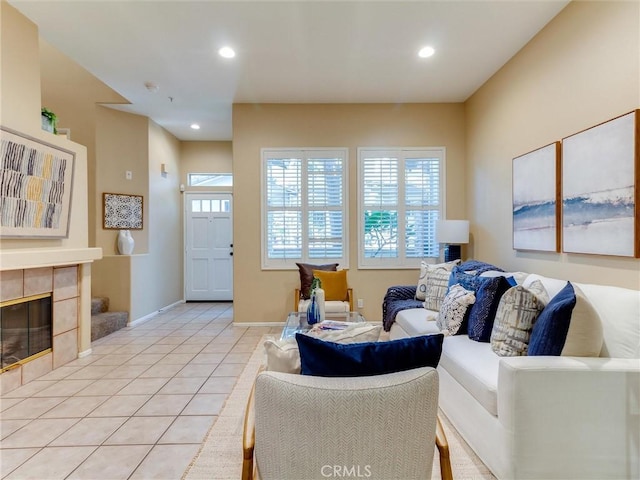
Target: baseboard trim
(141,320)
(85,353)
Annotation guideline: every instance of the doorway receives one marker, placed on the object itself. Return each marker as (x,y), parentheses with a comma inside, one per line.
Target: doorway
(208,246)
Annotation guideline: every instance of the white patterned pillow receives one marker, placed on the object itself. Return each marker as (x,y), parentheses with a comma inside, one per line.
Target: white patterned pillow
(517,312)
(437,286)
(425,269)
(453,309)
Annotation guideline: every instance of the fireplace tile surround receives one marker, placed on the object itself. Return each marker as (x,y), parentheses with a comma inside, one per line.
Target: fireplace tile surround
(63,283)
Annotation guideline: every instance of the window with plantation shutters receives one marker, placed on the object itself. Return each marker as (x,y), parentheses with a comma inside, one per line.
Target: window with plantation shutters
(304,207)
(400,199)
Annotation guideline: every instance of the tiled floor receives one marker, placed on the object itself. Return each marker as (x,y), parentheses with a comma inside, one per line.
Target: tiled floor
(138,407)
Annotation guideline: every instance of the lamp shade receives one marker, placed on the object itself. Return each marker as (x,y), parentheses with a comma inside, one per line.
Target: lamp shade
(452,231)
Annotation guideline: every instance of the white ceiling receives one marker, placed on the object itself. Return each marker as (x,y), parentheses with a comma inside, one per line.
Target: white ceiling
(287,52)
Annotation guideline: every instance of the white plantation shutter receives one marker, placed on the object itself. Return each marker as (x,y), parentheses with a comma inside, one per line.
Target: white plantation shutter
(422,206)
(379,178)
(326,207)
(304,209)
(400,199)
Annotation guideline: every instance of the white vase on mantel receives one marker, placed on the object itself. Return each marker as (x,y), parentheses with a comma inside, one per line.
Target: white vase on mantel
(125,242)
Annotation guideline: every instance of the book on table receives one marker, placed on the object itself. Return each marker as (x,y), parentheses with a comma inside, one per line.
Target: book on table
(334,325)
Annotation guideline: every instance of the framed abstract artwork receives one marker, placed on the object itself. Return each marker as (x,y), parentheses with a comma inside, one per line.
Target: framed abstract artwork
(536,199)
(600,169)
(35,187)
(122,211)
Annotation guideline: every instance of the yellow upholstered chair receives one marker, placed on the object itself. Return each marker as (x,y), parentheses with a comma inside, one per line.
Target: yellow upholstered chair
(338,294)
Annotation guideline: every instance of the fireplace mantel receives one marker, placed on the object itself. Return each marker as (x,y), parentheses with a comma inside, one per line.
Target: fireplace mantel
(46,257)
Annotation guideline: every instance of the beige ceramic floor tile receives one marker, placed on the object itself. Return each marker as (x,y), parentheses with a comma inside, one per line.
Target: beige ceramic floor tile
(142,386)
(113,359)
(146,359)
(197,370)
(188,429)
(218,385)
(7,427)
(38,433)
(193,349)
(32,407)
(84,361)
(183,385)
(75,407)
(242,358)
(104,349)
(208,358)
(228,370)
(140,431)
(166,462)
(12,458)
(164,405)
(9,402)
(105,386)
(63,388)
(111,462)
(201,340)
(89,431)
(145,340)
(127,371)
(205,404)
(51,463)
(60,373)
(172,340)
(120,406)
(130,349)
(158,371)
(30,389)
(217,348)
(91,372)
(160,349)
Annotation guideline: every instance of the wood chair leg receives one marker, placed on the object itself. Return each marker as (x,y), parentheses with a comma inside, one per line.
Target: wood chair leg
(249,438)
(443,450)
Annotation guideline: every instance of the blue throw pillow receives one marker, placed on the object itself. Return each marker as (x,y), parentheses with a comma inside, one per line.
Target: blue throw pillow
(469,281)
(550,330)
(482,313)
(329,359)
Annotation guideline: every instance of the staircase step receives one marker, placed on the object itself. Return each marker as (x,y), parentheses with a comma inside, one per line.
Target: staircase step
(102,324)
(99,305)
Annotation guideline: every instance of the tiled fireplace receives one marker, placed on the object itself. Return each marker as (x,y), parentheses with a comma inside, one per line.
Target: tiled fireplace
(63,286)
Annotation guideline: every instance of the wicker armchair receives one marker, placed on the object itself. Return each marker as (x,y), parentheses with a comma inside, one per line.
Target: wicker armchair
(382,427)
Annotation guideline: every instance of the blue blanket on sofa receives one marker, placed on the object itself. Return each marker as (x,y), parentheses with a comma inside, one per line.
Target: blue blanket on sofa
(403,297)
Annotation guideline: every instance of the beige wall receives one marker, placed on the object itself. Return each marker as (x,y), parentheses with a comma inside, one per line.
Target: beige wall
(205,157)
(20,97)
(73,94)
(20,79)
(154,272)
(158,283)
(581,70)
(266,296)
(20,110)
(122,144)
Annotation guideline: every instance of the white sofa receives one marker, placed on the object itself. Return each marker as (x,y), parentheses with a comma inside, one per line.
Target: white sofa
(546,417)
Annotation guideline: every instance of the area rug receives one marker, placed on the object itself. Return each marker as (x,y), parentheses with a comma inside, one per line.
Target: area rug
(220,457)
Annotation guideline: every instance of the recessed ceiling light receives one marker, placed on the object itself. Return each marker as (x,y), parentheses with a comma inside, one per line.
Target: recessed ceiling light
(227,52)
(195,126)
(426,52)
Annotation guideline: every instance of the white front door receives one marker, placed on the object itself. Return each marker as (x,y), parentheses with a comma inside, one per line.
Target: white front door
(209,246)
